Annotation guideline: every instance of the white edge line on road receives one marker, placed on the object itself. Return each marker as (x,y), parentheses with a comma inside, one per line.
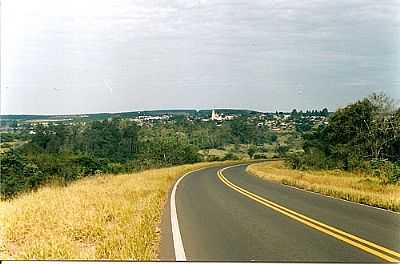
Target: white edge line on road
(176,234)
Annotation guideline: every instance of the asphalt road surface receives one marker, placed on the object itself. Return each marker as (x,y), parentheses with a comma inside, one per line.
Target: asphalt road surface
(226,214)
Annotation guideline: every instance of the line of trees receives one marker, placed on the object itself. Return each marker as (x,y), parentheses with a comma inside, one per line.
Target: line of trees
(299,114)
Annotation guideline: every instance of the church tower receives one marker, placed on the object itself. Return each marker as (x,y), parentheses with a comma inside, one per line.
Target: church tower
(213,116)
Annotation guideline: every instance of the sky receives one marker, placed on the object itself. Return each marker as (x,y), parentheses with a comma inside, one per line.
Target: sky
(82,56)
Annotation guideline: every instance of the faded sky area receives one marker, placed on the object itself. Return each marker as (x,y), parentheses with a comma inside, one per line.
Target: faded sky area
(75,56)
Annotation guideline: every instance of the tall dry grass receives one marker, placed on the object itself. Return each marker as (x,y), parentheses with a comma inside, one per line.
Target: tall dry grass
(356,187)
(101,217)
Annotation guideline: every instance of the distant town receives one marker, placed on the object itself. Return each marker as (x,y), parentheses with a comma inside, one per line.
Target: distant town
(277,122)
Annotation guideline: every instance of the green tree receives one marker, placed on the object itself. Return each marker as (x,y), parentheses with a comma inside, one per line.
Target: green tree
(384,129)
(282,150)
(251,151)
(324,112)
(17,174)
(368,129)
(244,131)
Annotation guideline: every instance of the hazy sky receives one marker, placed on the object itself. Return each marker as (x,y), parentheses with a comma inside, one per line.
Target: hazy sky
(76,56)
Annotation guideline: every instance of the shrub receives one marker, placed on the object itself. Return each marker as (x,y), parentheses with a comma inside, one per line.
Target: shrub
(6,145)
(313,159)
(115,167)
(213,158)
(387,171)
(230,156)
(7,137)
(17,174)
(394,177)
(260,156)
(355,161)
(282,150)
(89,165)
(251,151)
(295,161)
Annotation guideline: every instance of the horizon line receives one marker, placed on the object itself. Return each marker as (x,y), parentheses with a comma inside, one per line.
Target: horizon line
(160,110)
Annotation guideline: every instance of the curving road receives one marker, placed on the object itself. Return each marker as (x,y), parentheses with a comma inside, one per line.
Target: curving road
(225,214)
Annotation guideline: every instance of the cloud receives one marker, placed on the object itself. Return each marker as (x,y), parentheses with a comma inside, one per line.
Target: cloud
(176,53)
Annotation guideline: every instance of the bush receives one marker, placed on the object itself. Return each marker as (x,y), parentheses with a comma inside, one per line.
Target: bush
(313,159)
(7,137)
(260,156)
(282,150)
(387,171)
(251,151)
(89,165)
(213,158)
(190,154)
(394,177)
(171,152)
(17,174)
(115,168)
(295,161)
(6,145)
(355,161)
(230,156)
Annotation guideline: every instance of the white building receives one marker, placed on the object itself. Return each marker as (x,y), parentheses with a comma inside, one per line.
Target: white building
(215,116)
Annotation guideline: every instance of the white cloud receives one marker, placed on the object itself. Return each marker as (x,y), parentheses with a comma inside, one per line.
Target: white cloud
(203,53)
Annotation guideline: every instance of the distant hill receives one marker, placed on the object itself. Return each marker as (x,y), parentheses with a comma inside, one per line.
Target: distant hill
(23,117)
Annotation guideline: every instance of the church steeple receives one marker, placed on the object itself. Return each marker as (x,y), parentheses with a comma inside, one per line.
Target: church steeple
(215,116)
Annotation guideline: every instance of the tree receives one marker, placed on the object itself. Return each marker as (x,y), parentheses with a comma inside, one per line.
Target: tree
(324,112)
(17,174)
(130,139)
(392,151)
(366,130)
(251,151)
(282,150)
(294,113)
(349,127)
(41,137)
(244,131)
(384,127)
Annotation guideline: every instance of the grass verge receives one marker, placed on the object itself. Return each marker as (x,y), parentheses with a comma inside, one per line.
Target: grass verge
(102,217)
(356,187)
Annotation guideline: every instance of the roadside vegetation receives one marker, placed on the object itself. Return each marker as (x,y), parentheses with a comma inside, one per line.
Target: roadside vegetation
(102,217)
(355,156)
(363,136)
(352,186)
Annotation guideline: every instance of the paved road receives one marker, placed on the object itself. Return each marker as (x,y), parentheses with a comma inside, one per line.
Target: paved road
(234,216)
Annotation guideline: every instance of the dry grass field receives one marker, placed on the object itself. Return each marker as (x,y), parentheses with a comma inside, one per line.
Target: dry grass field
(101,217)
(356,187)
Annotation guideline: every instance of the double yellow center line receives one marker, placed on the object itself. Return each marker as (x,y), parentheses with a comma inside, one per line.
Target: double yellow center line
(367,246)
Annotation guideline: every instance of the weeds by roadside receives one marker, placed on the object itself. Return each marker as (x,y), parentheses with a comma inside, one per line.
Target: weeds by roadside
(356,187)
(101,217)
